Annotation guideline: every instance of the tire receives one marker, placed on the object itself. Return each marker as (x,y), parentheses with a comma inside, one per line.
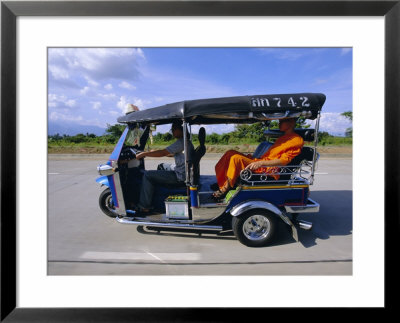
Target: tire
(106,203)
(255,228)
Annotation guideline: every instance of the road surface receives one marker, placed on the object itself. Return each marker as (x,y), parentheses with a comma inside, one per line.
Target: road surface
(83,241)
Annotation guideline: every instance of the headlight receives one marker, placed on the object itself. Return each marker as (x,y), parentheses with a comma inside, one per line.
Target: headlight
(105,170)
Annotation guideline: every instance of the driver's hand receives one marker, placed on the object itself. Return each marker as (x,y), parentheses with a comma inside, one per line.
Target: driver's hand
(141,155)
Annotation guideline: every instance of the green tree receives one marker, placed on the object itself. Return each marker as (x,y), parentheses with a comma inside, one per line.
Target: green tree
(348,115)
(115,130)
(80,137)
(55,137)
(226,138)
(301,123)
(273,125)
(213,138)
(167,136)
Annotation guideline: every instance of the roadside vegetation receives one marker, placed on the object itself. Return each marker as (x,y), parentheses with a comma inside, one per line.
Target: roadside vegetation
(244,138)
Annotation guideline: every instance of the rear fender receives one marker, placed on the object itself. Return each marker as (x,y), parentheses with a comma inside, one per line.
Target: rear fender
(243,207)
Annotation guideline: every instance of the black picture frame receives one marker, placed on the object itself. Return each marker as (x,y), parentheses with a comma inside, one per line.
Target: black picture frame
(10,10)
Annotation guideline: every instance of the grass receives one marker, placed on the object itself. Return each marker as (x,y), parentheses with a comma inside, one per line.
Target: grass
(108,148)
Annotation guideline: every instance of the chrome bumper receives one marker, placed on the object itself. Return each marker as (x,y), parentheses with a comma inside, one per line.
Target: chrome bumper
(311,206)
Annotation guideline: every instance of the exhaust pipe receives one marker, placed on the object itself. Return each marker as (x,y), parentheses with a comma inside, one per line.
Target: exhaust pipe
(305,225)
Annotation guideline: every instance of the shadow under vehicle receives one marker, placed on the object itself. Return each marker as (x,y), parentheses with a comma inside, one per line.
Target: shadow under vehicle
(253,208)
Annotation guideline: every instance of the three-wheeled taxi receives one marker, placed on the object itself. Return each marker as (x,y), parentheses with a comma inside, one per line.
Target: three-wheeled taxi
(253,208)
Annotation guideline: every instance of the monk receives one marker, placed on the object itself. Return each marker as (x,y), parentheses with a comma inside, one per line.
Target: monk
(284,149)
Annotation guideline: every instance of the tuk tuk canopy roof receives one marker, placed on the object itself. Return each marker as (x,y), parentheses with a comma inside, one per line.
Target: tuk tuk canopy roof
(238,109)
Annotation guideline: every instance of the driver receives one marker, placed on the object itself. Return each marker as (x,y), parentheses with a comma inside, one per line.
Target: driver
(284,149)
(154,177)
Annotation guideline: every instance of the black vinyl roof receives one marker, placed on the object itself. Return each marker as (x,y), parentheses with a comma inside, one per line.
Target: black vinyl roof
(238,109)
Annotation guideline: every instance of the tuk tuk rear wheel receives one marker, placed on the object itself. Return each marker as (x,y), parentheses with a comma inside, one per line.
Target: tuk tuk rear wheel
(106,203)
(255,228)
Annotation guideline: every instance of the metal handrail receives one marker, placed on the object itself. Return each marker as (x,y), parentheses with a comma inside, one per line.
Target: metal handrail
(302,173)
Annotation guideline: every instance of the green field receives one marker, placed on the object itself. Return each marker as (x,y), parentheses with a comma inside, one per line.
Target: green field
(91,148)
(244,138)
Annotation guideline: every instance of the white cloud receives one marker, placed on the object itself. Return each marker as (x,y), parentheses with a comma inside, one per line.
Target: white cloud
(121,104)
(96,105)
(124,101)
(58,72)
(109,96)
(334,123)
(96,64)
(85,90)
(54,116)
(55,100)
(70,103)
(108,86)
(91,82)
(126,85)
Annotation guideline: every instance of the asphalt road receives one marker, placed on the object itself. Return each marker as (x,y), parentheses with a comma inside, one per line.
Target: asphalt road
(83,241)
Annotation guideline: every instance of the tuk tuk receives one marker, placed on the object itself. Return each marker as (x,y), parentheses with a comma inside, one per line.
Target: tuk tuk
(253,208)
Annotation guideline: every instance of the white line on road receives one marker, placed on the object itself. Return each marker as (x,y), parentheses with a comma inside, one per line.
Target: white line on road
(162,257)
(160,260)
(321,173)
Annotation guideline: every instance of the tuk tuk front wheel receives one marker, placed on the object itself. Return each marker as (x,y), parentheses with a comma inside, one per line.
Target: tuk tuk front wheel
(106,203)
(255,228)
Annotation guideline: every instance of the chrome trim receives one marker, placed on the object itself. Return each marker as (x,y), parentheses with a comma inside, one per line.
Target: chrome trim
(207,212)
(300,174)
(121,209)
(249,205)
(310,207)
(105,170)
(185,144)
(257,204)
(131,220)
(305,225)
(316,155)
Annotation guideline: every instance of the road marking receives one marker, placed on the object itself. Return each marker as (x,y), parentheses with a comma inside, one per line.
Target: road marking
(321,173)
(162,257)
(156,257)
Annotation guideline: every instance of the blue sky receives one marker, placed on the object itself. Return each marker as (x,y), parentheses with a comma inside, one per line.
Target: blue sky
(92,86)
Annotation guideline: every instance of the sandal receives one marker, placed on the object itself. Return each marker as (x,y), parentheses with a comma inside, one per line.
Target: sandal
(218,195)
(221,193)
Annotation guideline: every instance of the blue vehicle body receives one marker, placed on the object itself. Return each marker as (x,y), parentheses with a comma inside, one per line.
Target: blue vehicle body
(103,180)
(113,159)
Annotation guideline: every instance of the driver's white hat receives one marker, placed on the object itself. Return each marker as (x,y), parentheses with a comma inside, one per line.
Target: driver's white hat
(131,108)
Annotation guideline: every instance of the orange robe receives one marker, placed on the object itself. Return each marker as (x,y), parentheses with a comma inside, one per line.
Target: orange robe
(232,162)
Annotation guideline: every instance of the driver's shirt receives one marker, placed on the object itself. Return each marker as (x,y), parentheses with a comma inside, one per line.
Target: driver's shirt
(177,149)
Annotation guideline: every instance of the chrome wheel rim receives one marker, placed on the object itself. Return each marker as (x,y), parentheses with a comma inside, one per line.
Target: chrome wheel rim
(110,204)
(256,227)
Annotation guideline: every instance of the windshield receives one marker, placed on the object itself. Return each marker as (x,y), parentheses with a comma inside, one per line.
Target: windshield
(134,134)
